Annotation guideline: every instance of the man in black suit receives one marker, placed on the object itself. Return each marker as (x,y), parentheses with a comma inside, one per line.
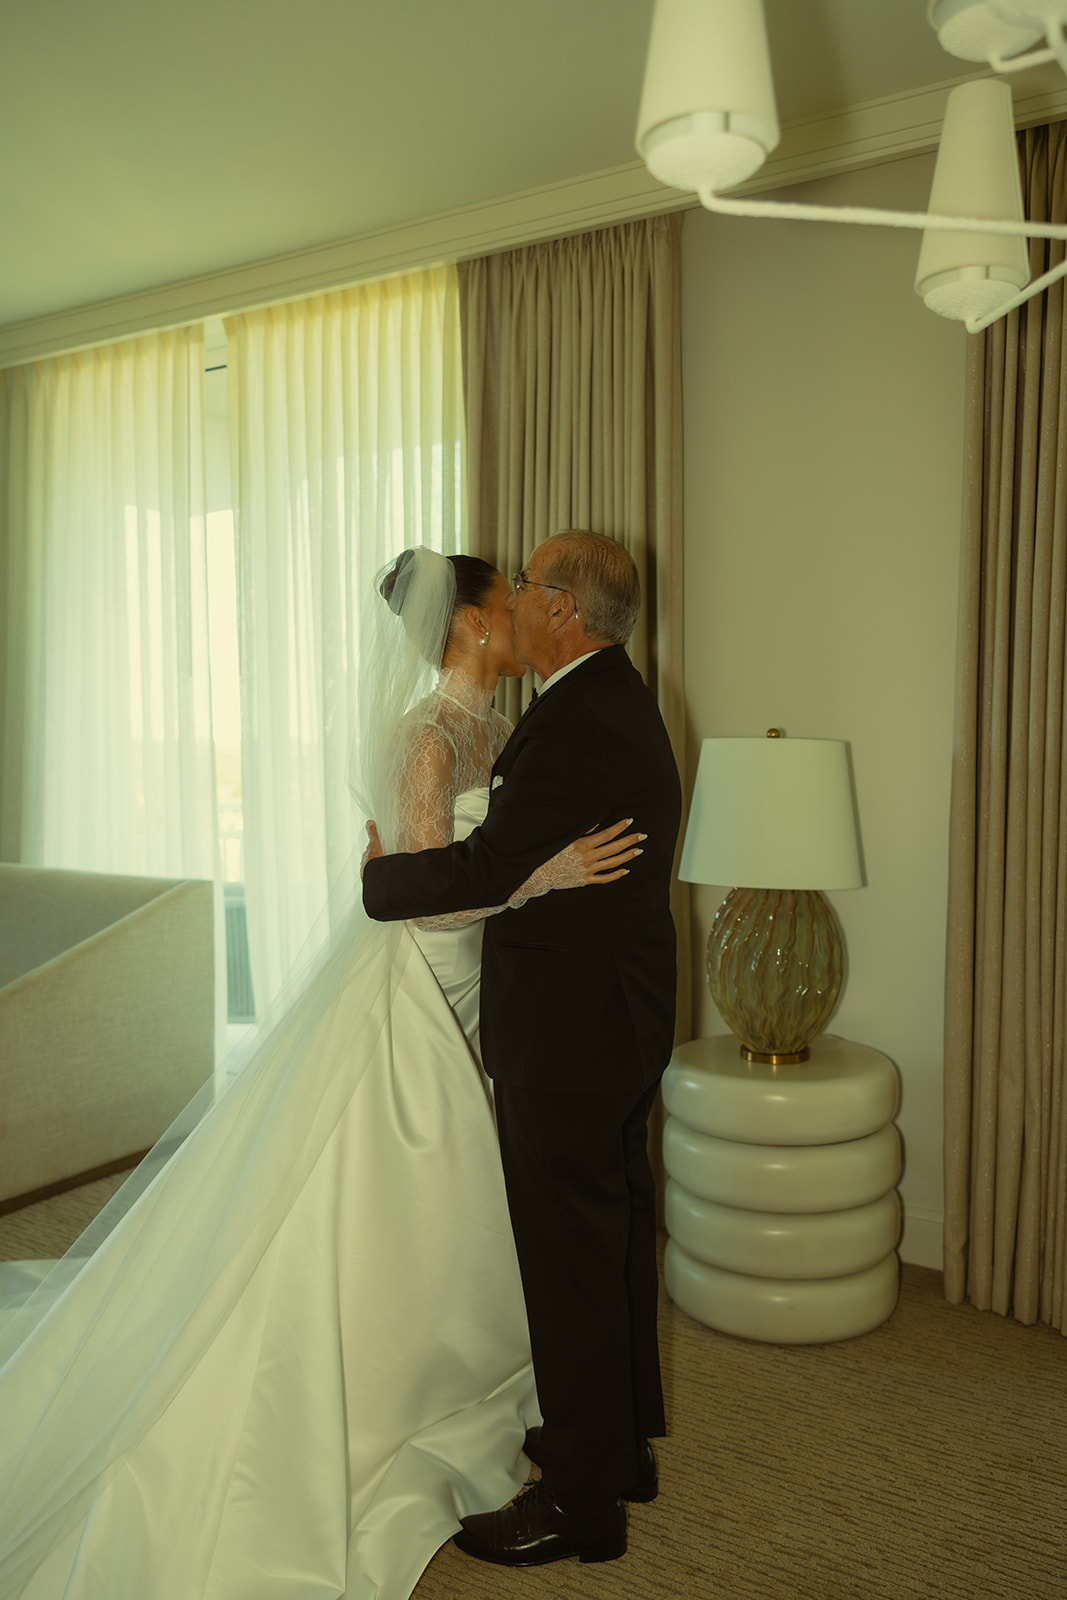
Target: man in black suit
(577,1020)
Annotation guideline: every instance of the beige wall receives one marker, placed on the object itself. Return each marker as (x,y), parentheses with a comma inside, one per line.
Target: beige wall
(823,429)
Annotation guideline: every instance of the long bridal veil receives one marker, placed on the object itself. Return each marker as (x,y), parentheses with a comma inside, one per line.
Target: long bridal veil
(93,1355)
(408,633)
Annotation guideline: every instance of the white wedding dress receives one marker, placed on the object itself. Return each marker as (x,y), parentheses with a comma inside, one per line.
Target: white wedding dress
(302,1355)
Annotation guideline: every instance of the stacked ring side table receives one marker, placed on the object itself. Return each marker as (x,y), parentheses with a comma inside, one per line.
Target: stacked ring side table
(781,1203)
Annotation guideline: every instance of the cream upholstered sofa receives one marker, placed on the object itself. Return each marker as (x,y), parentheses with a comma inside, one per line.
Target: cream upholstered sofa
(106,1019)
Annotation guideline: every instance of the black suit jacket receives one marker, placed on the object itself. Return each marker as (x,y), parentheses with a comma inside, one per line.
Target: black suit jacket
(578,986)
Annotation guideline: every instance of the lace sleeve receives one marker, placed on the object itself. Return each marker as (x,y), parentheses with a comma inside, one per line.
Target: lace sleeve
(566,870)
(426,798)
(426,790)
(425,819)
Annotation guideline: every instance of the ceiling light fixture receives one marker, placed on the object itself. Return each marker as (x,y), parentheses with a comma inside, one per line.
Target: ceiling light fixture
(1001,32)
(708,121)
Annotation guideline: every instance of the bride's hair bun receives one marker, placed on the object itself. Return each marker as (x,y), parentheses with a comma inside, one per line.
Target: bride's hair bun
(388,584)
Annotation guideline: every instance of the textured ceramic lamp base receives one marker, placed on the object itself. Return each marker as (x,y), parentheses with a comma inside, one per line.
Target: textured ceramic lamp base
(775,967)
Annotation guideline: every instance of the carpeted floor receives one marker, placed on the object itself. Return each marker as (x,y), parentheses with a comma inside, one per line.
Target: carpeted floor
(49,1228)
(924,1460)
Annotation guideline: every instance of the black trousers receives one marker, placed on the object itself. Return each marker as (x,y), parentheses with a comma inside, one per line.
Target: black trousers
(583,1209)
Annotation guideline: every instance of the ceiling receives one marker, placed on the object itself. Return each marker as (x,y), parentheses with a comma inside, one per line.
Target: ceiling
(149,141)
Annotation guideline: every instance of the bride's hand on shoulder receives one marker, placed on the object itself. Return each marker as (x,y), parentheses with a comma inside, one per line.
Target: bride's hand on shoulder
(374,847)
(605,855)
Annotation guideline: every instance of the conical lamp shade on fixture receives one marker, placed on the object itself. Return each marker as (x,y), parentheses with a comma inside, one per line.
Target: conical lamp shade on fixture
(973,30)
(708,118)
(977,175)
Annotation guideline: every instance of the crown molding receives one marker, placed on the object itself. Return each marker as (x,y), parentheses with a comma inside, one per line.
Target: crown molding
(815,147)
(884,130)
(594,200)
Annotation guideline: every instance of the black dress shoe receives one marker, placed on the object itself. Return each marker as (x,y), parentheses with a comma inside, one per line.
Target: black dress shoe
(533,1530)
(645,1489)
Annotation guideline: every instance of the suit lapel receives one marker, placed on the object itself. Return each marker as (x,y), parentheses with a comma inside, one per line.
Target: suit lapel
(602,660)
(533,702)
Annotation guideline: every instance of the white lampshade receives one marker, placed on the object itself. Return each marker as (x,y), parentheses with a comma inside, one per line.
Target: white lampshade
(977,175)
(974,30)
(708,118)
(772,814)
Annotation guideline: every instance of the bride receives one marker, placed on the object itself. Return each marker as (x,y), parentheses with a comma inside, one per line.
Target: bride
(292,1352)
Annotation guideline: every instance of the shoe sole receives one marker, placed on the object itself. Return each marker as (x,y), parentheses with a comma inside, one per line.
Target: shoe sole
(603,1553)
(594,1553)
(642,1496)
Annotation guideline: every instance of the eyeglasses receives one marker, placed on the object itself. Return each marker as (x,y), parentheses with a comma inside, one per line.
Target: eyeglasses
(520,582)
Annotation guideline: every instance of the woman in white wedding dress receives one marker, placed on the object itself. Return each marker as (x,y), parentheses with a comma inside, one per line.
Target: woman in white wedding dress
(293,1352)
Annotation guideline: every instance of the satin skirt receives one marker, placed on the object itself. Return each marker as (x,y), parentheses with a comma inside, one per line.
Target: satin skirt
(303,1354)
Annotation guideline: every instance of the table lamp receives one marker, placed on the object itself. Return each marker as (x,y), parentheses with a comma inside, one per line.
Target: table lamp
(776,817)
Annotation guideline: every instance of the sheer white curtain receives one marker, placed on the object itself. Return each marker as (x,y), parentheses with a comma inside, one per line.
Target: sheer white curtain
(346,413)
(106,759)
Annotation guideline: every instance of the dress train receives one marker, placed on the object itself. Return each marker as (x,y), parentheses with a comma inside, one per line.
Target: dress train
(303,1354)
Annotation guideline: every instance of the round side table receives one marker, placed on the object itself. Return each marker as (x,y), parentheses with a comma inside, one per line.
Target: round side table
(781,1202)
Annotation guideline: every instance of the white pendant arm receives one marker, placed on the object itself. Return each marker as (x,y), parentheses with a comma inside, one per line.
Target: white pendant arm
(878,218)
(1057,40)
(1056,51)
(1030,58)
(976,324)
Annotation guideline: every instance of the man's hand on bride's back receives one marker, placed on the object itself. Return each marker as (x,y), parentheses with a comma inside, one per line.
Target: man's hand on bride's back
(374,847)
(606,855)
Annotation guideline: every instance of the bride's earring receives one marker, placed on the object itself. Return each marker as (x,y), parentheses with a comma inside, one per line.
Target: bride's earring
(484,640)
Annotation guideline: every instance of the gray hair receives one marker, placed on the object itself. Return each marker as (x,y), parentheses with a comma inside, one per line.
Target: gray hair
(600,573)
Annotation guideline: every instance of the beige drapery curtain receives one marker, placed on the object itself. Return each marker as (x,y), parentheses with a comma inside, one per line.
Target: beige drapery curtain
(573,380)
(572,371)
(1006,995)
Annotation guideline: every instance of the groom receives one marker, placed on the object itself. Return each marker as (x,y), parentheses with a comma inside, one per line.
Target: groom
(577,1019)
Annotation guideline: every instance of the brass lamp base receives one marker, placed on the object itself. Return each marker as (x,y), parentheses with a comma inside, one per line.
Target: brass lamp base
(775,968)
(780,1058)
